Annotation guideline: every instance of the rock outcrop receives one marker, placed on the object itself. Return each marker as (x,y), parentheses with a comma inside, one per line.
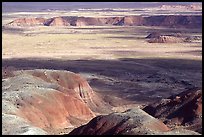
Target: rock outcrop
(48,99)
(193,38)
(166,39)
(130,122)
(173,21)
(134,21)
(156,37)
(184,109)
(58,21)
(27,22)
(153,35)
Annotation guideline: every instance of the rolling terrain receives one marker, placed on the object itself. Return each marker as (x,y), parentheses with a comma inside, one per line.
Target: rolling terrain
(102,71)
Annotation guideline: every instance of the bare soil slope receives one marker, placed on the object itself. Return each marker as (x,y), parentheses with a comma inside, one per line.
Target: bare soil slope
(130,122)
(48,99)
(184,109)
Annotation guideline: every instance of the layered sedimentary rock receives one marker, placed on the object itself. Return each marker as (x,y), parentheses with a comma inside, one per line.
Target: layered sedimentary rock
(174,21)
(58,21)
(47,99)
(184,109)
(27,22)
(135,21)
(130,122)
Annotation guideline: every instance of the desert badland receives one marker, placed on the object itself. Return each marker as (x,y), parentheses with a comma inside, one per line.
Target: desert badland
(102,70)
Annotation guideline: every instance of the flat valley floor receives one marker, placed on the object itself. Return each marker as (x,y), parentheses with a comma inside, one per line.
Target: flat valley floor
(117,61)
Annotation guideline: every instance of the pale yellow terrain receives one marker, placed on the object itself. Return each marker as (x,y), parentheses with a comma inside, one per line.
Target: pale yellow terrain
(93,43)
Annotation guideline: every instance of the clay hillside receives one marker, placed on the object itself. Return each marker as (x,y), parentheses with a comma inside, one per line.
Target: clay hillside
(184,109)
(183,21)
(176,111)
(43,101)
(130,122)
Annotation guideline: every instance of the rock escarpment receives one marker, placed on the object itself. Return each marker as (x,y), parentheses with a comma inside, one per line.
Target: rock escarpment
(173,21)
(27,22)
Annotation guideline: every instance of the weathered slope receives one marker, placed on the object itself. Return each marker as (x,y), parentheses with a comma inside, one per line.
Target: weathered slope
(131,122)
(173,21)
(57,21)
(134,21)
(19,126)
(27,22)
(181,110)
(71,81)
(49,99)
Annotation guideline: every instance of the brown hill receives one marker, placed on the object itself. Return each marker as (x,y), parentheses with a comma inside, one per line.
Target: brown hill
(184,109)
(130,122)
(48,100)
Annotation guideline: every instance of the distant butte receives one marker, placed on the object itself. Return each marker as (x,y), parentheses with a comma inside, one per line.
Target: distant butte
(172,21)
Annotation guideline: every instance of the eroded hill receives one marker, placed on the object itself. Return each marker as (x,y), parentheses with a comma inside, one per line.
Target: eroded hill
(130,122)
(39,101)
(173,21)
(184,109)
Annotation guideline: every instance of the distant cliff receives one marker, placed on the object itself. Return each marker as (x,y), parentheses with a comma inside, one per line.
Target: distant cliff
(172,21)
